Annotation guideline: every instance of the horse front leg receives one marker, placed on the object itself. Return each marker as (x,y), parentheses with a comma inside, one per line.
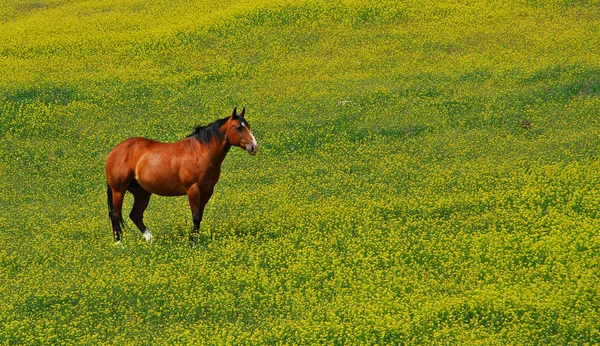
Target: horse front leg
(198,200)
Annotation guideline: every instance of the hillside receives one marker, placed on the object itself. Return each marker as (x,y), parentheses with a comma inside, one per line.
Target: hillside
(428,172)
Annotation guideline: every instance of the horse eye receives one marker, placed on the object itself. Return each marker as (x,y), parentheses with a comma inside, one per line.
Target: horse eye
(239,128)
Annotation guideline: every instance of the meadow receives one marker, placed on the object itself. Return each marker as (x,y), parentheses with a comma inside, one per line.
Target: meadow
(428,172)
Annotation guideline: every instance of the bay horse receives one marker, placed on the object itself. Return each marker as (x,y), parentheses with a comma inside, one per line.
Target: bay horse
(189,167)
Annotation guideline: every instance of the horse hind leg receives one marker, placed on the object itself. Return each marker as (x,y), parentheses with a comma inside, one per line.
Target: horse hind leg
(140,203)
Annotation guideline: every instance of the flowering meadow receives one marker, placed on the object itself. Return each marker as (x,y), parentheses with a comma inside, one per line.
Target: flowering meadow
(428,172)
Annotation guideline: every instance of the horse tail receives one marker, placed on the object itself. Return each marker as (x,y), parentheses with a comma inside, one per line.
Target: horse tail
(110,202)
(109,195)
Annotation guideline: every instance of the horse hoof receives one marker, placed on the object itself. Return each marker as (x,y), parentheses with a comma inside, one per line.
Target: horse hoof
(118,243)
(148,236)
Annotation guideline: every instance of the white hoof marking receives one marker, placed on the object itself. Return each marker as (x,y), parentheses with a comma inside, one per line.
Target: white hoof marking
(148,236)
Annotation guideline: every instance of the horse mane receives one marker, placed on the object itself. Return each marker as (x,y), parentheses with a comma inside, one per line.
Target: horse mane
(205,133)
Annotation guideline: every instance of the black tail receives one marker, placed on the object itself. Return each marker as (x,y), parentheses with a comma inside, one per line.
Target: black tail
(110,204)
(120,224)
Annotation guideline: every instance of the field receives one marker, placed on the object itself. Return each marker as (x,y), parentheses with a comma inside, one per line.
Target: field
(428,172)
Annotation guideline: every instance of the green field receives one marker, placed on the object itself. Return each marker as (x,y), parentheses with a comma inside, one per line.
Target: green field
(428,172)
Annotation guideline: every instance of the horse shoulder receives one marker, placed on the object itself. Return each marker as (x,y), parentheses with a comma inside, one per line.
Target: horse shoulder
(184,162)
(197,166)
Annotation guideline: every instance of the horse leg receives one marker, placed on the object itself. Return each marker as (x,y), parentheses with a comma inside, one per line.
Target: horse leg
(140,203)
(115,200)
(197,201)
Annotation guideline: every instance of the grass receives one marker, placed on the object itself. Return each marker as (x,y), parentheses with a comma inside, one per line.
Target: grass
(427,172)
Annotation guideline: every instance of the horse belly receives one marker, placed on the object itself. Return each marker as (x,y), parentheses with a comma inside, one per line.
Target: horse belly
(157,175)
(163,190)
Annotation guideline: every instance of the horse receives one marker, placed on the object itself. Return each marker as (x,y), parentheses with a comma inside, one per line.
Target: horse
(189,167)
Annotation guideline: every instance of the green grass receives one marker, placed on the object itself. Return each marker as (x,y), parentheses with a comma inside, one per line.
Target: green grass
(428,172)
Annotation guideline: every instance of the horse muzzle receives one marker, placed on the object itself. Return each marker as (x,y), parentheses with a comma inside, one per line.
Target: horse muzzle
(252,148)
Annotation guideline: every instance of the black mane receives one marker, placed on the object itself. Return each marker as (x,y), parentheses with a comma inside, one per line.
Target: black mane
(205,133)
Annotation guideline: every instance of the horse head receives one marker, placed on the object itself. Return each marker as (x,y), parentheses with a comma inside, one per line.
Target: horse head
(238,132)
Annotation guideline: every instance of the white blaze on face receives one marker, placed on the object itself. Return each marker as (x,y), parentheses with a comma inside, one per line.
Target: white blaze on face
(252,146)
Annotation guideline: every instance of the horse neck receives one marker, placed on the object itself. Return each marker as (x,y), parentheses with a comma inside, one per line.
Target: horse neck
(219,149)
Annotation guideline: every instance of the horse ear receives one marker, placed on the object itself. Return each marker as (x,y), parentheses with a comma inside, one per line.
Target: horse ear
(243,111)
(234,111)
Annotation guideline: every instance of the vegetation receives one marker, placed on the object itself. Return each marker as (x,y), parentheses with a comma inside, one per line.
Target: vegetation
(428,172)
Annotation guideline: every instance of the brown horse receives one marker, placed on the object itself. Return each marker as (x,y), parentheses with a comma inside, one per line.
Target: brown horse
(189,167)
